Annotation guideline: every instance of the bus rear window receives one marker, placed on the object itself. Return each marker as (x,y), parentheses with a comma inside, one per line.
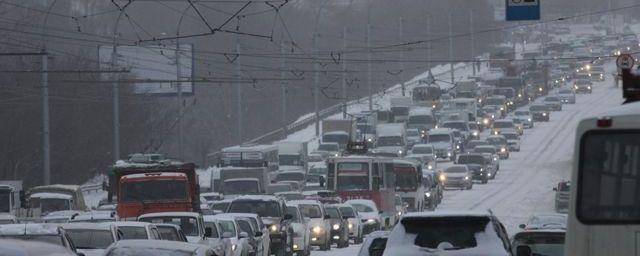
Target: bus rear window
(609,177)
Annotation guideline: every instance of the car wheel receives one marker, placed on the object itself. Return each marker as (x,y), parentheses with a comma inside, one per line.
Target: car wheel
(485,180)
(358,239)
(326,246)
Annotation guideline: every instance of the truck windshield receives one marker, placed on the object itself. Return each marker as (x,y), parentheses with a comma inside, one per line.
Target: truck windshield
(406,180)
(153,190)
(420,120)
(5,198)
(328,147)
(426,93)
(241,187)
(422,150)
(439,138)
(189,225)
(54,204)
(290,176)
(90,238)
(262,208)
(471,159)
(462,126)
(347,212)
(389,141)
(338,138)
(293,160)
(607,177)
(366,128)
(352,176)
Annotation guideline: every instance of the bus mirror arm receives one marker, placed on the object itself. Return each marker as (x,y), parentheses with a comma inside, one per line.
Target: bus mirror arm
(555,189)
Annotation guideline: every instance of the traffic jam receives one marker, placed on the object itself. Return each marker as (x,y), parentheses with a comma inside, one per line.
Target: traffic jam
(375,180)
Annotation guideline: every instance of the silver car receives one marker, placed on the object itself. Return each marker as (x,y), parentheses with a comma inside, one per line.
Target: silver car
(567,96)
(159,247)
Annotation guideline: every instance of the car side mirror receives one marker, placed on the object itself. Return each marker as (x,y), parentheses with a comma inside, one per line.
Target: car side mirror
(326,217)
(523,250)
(345,217)
(380,212)
(522,226)
(208,232)
(258,234)
(555,189)
(80,254)
(227,235)
(287,217)
(243,235)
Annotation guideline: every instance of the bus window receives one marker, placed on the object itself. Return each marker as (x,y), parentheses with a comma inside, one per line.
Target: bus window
(609,177)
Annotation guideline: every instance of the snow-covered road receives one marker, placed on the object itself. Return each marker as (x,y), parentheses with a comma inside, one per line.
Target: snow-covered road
(525,182)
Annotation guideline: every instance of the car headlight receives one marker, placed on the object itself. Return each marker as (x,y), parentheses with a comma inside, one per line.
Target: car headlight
(369,140)
(466,177)
(428,194)
(544,114)
(234,247)
(493,116)
(501,108)
(519,95)
(429,167)
(317,229)
(336,226)
(433,106)
(350,226)
(539,88)
(589,87)
(475,134)
(448,153)
(481,169)
(489,174)
(457,146)
(529,119)
(495,159)
(371,220)
(273,228)
(399,151)
(443,177)
(589,74)
(485,121)
(503,150)
(295,246)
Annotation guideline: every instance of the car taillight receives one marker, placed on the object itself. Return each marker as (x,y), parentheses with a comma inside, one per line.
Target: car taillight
(604,122)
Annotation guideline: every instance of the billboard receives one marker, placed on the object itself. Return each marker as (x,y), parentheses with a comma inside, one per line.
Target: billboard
(157,64)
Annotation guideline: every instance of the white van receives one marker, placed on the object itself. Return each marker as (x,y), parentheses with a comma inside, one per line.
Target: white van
(604,212)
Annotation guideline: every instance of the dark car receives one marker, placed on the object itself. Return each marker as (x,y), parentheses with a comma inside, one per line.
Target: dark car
(540,113)
(375,244)
(553,102)
(339,226)
(432,190)
(582,86)
(273,212)
(539,242)
(477,164)
(562,196)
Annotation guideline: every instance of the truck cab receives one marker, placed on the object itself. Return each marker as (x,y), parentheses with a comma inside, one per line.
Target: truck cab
(53,198)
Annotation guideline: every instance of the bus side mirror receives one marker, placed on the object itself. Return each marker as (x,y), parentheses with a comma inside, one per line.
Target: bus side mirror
(376,183)
(555,189)
(523,250)
(522,226)
(23,199)
(322,181)
(208,232)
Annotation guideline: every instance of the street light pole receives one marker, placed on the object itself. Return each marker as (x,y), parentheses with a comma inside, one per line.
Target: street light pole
(179,86)
(402,82)
(46,148)
(115,93)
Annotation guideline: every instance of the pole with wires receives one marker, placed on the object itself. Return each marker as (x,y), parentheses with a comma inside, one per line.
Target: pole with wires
(370,75)
(402,82)
(451,48)
(283,87)
(344,73)
(473,41)
(316,89)
(239,94)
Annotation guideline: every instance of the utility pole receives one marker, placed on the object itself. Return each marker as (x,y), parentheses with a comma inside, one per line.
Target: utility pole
(179,83)
(115,90)
(451,48)
(344,73)
(316,89)
(283,87)
(402,82)
(239,94)
(428,42)
(369,80)
(46,153)
(473,41)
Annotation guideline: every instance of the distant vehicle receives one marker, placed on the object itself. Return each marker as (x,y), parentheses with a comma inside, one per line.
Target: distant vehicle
(46,233)
(567,96)
(519,127)
(57,197)
(413,137)
(562,197)
(290,195)
(301,232)
(458,233)
(30,247)
(494,164)
(473,144)
(340,137)
(292,154)
(314,215)
(426,95)
(461,126)
(250,245)
(421,118)
(220,206)
(92,238)
(172,232)
(500,124)
(546,221)
(525,117)
(331,148)
(261,236)
(408,177)
(502,145)
(539,242)
(138,230)
(477,164)
(339,226)
(399,109)
(443,143)
(10,191)
(94,217)
(212,196)
(272,211)
(375,244)
(391,138)
(191,224)
(499,101)
(238,181)
(582,86)
(428,161)
(139,247)
(553,102)
(474,130)
(60,216)
(251,156)
(369,214)
(231,231)
(540,113)
(513,140)
(457,176)
(298,176)
(340,131)
(354,224)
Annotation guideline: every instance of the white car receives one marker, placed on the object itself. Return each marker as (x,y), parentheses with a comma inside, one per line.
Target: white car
(567,96)
(191,223)
(92,239)
(525,118)
(369,214)
(355,223)
(145,247)
(45,232)
(26,247)
(319,226)
(94,217)
(374,244)
(513,140)
(230,230)
(301,232)
(137,230)
(262,238)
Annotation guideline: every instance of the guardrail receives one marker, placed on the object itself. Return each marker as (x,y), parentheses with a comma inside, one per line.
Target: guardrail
(91,189)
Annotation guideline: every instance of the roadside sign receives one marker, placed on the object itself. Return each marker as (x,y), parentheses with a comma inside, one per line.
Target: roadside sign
(523,9)
(625,61)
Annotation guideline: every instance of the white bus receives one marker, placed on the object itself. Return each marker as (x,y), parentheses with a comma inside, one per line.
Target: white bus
(604,213)
(251,156)
(408,184)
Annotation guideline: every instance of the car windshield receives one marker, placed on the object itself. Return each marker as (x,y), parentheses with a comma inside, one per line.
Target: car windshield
(494,101)
(565,92)
(50,239)
(153,190)
(510,136)
(439,138)
(262,208)
(551,99)
(522,113)
(491,150)
(454,233)
(422,150)
(290,176)
(220,206)
(328,147)
(422,119)
(332,212)
(189,225)
(503,124)
(90,239)
(363,208)
(541,243)
(497,140)
(244,226)
(241,187)
(462,126)
(311,211)
(347,212)
(455,170)
(413,133)
(54,204)
(338,138)
(169,233)
(389,141)
(129,232)
(227,226)
(538,108)
(471,159)
(293,211)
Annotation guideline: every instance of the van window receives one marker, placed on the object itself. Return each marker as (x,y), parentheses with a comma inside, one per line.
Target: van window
(609,177)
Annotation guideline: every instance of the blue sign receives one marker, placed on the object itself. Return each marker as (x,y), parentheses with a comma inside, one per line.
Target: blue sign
(523,9)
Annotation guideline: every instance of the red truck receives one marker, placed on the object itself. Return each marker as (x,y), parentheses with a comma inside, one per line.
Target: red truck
(157,187)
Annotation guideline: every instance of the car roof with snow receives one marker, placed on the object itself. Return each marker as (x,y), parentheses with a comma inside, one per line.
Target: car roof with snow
(444,214)
(132,224)
(299,202)
(30,229)
(420,111)
(440,131)
(85,225)
(256,198)
(217,217)
(158,244)
(366,202)
(250,148)
(17,247)
(170,214)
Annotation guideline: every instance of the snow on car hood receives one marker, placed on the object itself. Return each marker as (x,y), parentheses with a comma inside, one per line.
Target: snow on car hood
(369,215)
(402,243)
(91,252)
(512,141)
(316,222)
(194,239)
(389,149)
(441,145)
(456,174)
(270,220)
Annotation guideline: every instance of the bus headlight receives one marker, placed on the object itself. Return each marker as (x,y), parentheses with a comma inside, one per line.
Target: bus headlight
(429,167)
(466,177)
(428,194)
(503,150)
(317,230)
(336,227)
(544,114)
(443,177)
